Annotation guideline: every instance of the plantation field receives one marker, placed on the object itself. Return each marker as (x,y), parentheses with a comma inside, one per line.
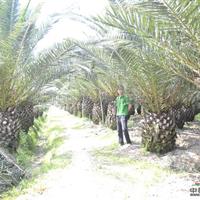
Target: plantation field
(97,168)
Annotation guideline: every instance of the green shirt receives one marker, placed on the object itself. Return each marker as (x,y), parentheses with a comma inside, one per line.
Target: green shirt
(122,103)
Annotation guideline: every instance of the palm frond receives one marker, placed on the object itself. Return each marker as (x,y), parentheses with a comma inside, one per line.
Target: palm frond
(9,14)
(22,72)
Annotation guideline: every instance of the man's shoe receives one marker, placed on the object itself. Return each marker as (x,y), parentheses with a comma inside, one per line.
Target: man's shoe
(121,143)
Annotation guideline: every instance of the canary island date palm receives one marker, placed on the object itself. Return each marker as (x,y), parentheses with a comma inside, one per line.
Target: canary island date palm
(23,72)
(171,27)
(147,47)
(106,80)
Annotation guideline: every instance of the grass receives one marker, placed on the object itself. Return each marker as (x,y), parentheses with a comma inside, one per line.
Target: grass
(197,117)
(40,151)
(28,144)
(126,169)
(53,161)
(78,126)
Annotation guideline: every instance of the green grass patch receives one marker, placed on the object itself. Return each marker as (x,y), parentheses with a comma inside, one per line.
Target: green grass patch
(130,123)
(109,161)
(54,142)
(53,161)
(28,144)
(79,125)
(108,135)
(197,117)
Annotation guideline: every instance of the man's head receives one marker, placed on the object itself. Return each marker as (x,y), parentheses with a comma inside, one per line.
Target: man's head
(120,90)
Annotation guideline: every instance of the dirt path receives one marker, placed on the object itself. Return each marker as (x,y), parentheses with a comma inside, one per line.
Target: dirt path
(82,180)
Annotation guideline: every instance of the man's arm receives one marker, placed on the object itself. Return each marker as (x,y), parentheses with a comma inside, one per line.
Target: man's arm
(129,104)
(129,107)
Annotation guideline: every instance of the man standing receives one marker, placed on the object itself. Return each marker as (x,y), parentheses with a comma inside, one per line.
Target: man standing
(122,106)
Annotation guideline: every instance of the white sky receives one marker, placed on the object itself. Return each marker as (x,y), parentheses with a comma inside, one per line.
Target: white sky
(66,27)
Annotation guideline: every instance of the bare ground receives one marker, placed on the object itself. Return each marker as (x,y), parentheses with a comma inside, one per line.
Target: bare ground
(93,177)
(186,156)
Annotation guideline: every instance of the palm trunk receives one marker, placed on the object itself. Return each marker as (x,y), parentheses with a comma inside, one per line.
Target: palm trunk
(159,133)
(87,105)
(179,116)
(79,107)
(38,113)
(102,109)
(10,126)
(111,116)
(189,113)
(96,113)
(26,115)
(75,109)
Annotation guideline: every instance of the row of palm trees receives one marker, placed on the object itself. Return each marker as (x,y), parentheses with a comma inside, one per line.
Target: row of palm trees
(150,47)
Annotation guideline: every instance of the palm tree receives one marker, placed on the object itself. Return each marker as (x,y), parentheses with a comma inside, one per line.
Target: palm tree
(170,27)
(23,73)
(155,62)
(105,82)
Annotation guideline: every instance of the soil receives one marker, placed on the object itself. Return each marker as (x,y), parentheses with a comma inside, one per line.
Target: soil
(82,179)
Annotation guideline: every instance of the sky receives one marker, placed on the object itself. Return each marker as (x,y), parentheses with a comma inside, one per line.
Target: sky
(66,27)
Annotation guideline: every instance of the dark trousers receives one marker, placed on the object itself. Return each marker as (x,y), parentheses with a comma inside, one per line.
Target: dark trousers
(123,129)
